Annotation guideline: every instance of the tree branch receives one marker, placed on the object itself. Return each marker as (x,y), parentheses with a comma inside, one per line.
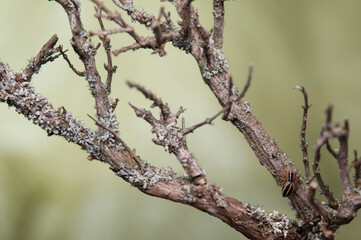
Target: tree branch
(326,134)
(106,43)
(66,58)
(104,144)
(45,55)
(170,136)
(304,144)
(218,13)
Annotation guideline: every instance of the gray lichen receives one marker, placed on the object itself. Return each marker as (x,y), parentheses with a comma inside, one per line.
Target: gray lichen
(137,14)
(278,223)
(150,177)
(169,135)
(38,109)
(188,195)
(183,44)
(219,63)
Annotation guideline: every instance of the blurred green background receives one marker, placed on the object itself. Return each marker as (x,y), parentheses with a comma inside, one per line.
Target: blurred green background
(48,190)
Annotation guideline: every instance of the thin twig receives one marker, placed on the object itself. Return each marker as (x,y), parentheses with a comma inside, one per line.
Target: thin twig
(329,114)
(227,108)
(162,33)
(311,198)
(110,31)
(144,114)
(117,138)
(207,121)
(115,17)
(324,188)
(357,165)
(180,111)
(327,133)
(149,95)
(115,103)
(166,128)
(218,13)
(304,144)
(106,43)
(148,42)
(45,55)
(248,84)
(330,150)
(162,13)
(79,73)
(342,161)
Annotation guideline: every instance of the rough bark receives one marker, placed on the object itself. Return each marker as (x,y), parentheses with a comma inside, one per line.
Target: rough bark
(314,219)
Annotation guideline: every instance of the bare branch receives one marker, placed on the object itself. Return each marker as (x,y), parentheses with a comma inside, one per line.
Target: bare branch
(170,135)
(106,43)
(341,133)
(180,111)
(115,103)
(45,55)
(318,207)
(207,121)
(357,165)
(137,14)
(316,170)
(116,136)
(192,189)
(214,70)
(343,161)
(111,31)
(231,98)
(41,112)
(245,88)
(81,74)
(157,102)
(330,150)
(146,43)
(115,17)
(304,144)
(163,34)
(86,52)
(227,108)
(218,13)
(153,181)
(187,17)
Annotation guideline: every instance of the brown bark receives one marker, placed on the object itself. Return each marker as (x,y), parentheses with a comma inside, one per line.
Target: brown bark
(314,219)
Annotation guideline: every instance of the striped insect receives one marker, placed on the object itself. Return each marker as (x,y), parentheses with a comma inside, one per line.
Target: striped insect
(289,181)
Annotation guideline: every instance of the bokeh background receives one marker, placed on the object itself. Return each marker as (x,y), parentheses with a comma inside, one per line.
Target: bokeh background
(48,190)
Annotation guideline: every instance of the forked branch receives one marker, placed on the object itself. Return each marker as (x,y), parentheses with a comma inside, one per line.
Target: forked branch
(315,220)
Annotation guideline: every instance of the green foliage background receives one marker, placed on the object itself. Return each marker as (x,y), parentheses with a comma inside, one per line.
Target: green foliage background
(48,190)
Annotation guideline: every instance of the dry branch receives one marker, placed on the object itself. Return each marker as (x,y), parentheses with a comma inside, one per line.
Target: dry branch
(45,55)
(218,13)
(304,144)
(315,220)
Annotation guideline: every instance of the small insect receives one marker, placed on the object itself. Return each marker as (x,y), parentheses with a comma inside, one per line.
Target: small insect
(289,180)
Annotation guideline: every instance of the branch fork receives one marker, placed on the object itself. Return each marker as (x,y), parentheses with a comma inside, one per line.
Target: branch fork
(316,220)
(170,135)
